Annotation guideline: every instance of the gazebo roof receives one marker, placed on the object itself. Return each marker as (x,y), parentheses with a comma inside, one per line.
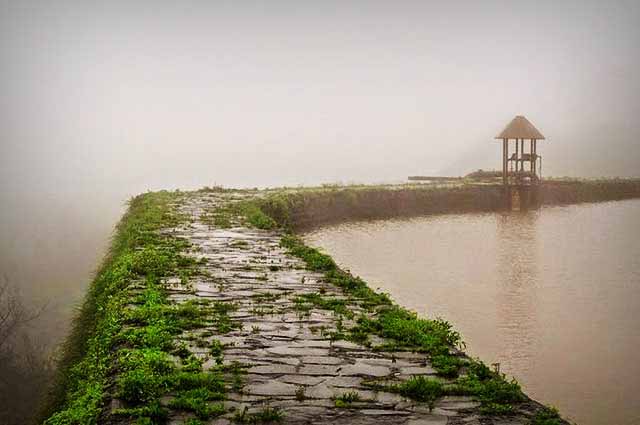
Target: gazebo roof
(520,128)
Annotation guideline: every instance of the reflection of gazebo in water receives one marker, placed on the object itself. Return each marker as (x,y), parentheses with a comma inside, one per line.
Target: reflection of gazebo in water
(521,171)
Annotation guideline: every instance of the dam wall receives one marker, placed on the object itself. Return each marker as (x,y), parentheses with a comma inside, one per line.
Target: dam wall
(306,209)
(209,309)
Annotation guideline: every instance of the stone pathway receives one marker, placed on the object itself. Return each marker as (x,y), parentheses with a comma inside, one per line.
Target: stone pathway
(290,363)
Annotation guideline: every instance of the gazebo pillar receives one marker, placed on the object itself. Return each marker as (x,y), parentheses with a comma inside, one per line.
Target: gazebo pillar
(505,159)
(517,155)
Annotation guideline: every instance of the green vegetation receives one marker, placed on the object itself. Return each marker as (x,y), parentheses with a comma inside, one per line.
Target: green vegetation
(224,216)
(129,340)
(496,394)
(266,415)
(346,399)
(419,388)
(239,244)
(310,207)
(484,175)
(547,416)
(196,401)
(218,217)
(265,297)
(355,287)
(571,190)
(447,365)
(402,329)
(135,343)
(407,331)
(339,306)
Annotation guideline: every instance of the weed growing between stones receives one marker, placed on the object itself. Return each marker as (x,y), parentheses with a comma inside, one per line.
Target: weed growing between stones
(265,297)
(447,365)
(218,217)
(547,416)
(266,415)
(197,401)
(225,216)
(419,388)
(338,306)
(345,400)
(496,394)
(239,244)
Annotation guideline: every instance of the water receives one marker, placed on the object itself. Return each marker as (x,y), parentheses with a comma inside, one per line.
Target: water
(551,295)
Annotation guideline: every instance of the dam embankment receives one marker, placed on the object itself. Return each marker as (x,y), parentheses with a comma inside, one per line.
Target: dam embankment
(306,209)
(208,310)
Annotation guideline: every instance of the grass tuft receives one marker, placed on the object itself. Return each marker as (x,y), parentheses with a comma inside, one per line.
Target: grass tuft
(547,416)
(419,388)
(345,400)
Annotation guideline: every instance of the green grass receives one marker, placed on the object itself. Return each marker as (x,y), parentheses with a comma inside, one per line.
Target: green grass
(447,365)
(317,261)
(239,244)
(197,401)
(224,215)
(419,388)
(496,394)
(134,344)
(338,306)
(150,414)
(266,415)
(218,217)
(110,338)
(345,400)
(547,416)
(403,329)
(265,297)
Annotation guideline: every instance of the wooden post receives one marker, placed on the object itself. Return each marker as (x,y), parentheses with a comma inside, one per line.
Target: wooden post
(517,153)
(505,155)
(535,161)
(531,161)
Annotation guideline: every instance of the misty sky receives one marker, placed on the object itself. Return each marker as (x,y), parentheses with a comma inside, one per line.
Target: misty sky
(103,100)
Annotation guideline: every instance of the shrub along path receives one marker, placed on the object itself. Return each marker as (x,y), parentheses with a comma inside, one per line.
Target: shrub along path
(295,347)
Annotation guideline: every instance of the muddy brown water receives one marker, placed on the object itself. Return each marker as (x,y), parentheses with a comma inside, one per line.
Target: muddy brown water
(552,295)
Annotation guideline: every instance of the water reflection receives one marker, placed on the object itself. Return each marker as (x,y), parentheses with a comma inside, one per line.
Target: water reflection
(517,272)
(552,295)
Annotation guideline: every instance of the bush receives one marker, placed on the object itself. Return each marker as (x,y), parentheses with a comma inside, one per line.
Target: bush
(447,365)
(547,416)
(419,388)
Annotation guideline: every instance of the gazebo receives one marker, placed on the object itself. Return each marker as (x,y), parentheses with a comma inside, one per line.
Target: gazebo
(521,170)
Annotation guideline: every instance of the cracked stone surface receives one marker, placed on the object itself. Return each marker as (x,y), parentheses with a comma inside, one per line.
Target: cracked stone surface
(290,364)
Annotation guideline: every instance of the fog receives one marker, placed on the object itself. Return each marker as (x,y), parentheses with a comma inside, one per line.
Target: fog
(104,100)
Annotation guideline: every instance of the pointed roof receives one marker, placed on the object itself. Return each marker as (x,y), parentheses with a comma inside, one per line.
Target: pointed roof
(520,128)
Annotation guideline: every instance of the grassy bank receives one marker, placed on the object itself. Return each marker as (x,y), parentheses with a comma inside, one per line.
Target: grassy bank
(302,209)
(573,191)
(123,341)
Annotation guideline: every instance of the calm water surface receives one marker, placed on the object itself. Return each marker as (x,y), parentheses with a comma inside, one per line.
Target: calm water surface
(552,295)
